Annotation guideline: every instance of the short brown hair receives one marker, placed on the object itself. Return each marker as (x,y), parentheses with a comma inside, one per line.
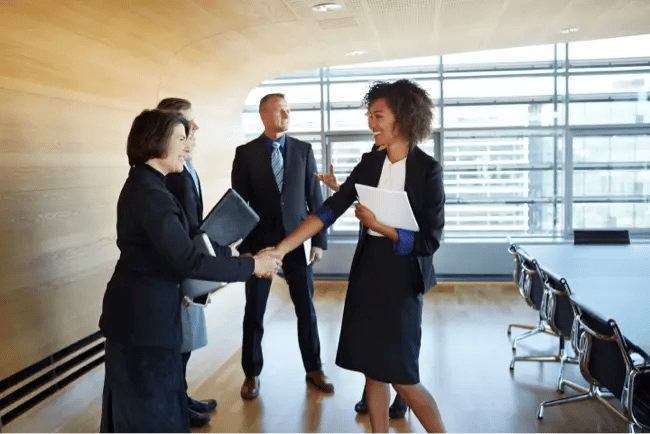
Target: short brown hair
(411,105)
(150,133)
(267,97)
(174,104)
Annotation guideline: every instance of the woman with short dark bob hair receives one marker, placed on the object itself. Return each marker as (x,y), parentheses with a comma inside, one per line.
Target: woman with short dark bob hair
(143,386)
(392,267)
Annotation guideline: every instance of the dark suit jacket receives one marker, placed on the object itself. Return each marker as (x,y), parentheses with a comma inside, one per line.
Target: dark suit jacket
(182,186)
(143,298)
(280,212)
(424,188)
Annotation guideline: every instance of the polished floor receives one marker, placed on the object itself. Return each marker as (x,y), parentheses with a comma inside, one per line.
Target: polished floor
(464,363)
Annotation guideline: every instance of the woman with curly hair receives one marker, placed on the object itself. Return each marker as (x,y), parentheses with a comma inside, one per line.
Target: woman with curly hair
(392,267)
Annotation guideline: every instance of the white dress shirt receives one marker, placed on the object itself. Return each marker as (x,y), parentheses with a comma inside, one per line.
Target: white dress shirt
(393,176)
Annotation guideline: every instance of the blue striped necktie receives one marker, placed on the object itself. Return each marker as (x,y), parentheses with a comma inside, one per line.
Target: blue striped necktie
(195,177)
(277,164)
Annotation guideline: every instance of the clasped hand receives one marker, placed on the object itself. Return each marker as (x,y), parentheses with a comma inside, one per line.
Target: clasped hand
(268,262)
(365,216)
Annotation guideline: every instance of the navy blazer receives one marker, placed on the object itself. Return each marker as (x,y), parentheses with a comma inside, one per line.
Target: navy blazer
(425,191)
(280,212)
(142,301)
(182,186)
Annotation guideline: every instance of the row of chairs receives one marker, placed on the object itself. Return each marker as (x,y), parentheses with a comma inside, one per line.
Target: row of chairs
(605,357)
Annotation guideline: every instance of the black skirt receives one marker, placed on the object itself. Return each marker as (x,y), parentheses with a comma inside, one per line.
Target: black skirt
(144,390)
(382,319)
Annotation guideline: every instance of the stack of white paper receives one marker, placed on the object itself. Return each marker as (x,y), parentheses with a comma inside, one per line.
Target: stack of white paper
(390,207)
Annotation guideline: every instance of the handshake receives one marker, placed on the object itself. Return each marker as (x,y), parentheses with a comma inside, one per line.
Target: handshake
(268,262)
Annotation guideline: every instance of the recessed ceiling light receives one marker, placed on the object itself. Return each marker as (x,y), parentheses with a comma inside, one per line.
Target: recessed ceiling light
(356,53)
(569,30)
(326,7)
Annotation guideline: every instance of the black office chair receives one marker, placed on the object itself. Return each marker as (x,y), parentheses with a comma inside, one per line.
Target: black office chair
(600,236)
(518,277)
(560,317)
(605,360)
(532,287)
(636,398)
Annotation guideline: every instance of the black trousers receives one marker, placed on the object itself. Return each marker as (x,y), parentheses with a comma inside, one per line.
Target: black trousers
(185,357)
(300,279)
(143,390)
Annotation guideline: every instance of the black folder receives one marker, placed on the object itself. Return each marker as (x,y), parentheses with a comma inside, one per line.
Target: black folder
(230,219)
(195,288)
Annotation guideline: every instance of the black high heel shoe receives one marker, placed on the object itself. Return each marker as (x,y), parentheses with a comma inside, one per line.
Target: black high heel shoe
(397,409)
(361,407)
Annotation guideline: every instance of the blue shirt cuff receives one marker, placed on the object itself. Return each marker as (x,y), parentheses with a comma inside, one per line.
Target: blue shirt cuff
(327,215)
(405,244)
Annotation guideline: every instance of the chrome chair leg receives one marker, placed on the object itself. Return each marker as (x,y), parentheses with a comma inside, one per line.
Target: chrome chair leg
(592,392)
(532,359)
(534,331)
(520,326)
(575,398)
(564,359)
(537,330)
(574,386)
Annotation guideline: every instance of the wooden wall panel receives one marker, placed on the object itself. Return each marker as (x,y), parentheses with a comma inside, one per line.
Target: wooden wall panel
(62,165)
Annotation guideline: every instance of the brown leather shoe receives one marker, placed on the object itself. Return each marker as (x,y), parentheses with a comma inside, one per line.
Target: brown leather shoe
(251,388)
(319,381)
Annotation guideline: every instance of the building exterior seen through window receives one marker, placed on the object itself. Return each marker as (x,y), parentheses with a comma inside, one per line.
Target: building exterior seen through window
(534,141)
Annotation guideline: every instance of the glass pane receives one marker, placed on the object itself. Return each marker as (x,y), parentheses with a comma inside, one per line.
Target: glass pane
(532,114)
(294,94)
(609,112)
(351,93)
(498,87)
(607,196)
(304,120)
(634,85)
(509,55)
(607,184)
(611,149)
(611,215)
(299,120)
(345,156)
(348,120)
(630,46)
(475,153)
(501,220)
(501,184)
(316,145)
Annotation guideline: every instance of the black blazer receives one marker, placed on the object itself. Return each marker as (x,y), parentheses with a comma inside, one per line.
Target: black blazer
(182,186)
(425,190)
(280,212)
(142,301)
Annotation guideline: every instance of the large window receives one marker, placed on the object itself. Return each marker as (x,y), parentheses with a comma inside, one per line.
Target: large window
(534,141)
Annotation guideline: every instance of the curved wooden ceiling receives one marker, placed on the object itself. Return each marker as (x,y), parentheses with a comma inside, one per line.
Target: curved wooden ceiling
(137,50)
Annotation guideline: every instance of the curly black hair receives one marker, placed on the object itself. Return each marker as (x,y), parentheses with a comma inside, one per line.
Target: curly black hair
(411,105)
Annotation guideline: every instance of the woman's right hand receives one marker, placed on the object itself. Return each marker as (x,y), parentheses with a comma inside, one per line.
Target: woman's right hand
(328,179)
(267,263)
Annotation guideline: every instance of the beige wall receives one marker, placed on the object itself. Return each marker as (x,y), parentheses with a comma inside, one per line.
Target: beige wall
(70,86)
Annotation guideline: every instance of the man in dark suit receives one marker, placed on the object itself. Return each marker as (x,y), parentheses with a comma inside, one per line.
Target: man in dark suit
(275,174)
(187,189)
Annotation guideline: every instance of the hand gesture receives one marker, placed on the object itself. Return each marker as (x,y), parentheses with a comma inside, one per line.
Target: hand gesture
(364,215)
(328,179)
(267,262)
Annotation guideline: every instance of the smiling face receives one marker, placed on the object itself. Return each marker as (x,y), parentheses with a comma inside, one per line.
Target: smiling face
(177,150)
(382,123)
(191,139)
(275,116)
